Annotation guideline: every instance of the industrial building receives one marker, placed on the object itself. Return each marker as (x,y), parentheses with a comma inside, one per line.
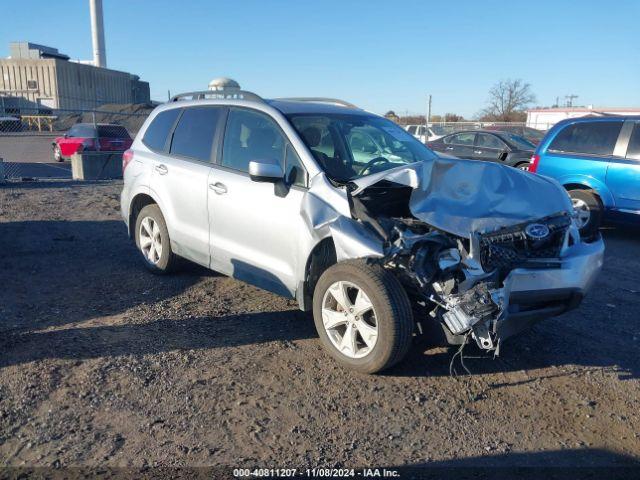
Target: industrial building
(545,118)
(36,76)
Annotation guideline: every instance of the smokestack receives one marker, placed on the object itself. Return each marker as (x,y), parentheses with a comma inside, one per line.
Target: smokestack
(97,34)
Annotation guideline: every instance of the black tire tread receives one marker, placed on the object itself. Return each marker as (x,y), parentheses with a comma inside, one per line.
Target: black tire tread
(172,262)
(399,307)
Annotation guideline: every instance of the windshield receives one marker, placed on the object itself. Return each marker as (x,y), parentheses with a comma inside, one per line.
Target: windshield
(349,147)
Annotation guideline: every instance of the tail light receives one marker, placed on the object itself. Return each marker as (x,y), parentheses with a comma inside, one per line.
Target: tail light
(533,164)
(127,156)
(430,145)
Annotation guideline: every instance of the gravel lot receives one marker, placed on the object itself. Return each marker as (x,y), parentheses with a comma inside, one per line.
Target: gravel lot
(105,364)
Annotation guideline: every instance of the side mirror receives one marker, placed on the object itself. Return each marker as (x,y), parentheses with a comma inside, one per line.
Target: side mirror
(265,172)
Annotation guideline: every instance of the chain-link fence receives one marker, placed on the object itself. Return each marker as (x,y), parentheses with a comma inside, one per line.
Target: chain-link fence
(39,142)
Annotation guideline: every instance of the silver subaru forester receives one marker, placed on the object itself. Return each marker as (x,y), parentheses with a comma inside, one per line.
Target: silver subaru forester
(343,210)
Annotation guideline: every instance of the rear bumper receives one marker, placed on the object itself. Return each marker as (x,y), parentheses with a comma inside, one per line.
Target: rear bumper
(532,295)
(125,202)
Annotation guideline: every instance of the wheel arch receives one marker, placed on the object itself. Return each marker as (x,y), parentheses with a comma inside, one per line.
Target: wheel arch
(590,183)
(138,202)
(321,257)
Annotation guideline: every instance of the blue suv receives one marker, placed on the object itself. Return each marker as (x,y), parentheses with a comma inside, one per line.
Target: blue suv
(597,159)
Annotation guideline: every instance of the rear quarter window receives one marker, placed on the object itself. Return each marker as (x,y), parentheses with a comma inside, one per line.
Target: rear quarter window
(594,138)
(156,135)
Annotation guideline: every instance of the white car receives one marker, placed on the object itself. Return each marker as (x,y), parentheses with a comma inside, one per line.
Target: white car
(418,131)
(350,215)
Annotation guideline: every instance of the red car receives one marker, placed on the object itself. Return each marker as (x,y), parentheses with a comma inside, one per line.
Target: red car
(102,137)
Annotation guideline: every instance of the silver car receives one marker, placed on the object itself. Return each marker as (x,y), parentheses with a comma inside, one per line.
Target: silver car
(349,214)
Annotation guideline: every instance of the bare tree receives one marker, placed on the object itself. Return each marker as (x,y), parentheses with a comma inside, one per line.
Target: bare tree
(507,101)
(453,117)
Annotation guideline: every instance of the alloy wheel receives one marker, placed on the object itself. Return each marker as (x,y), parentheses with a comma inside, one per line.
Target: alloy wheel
(150,240)
(582,212)
(349,319)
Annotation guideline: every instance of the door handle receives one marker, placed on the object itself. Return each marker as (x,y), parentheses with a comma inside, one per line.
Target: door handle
(477,151)
(162,169)
(219,188)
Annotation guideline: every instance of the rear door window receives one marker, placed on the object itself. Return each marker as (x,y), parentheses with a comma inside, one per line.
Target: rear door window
(156,135)
(489,141)
(592,138)
(412,129)
(194,134)
(633,150)
(462,139)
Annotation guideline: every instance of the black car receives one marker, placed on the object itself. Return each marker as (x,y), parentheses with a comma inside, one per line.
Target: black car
(491,146)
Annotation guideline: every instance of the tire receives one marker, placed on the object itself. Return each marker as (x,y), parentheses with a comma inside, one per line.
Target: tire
(589,210)
(56,154)
(522,166)
(390,315)
(166,261)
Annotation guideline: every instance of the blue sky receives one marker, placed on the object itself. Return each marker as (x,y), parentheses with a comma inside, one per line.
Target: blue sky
(380,55)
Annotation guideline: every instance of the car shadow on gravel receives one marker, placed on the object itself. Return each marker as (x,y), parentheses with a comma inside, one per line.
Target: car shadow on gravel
(155,337)
(60,272)
(592,463)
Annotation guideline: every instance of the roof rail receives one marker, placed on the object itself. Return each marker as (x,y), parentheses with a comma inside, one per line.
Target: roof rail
(333,101)
(219,94)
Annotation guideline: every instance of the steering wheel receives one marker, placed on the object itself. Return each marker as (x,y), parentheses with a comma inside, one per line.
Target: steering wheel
(371,163)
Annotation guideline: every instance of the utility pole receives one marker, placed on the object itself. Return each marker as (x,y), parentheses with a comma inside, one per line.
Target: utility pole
(429,111)
(570,99)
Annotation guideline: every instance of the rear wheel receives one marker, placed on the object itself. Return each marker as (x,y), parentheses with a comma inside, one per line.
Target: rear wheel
(588,211)
(363,316)
(152,239)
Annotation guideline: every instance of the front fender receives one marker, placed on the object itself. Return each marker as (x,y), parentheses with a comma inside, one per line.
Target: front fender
(590,182)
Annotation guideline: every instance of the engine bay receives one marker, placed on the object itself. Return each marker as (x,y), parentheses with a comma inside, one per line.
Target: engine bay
(458,282)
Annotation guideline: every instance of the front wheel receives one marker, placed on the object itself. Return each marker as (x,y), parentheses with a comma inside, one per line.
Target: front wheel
(363,316)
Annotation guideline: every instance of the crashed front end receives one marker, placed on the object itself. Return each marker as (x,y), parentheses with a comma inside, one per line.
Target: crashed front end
(489,287)
(482,250)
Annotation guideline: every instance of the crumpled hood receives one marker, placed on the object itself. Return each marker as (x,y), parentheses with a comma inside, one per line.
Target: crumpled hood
(465,196)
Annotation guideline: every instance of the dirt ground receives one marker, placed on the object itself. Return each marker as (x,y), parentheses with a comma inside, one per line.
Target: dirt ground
(102,363)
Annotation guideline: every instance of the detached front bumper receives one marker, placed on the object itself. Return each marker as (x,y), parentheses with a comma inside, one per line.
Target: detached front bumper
(530,295)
